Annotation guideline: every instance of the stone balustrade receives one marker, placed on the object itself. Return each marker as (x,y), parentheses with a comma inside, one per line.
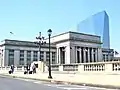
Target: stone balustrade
(106,67)
(112,67)
(18,68)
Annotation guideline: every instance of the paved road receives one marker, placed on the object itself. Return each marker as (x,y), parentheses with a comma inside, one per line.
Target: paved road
(25,84)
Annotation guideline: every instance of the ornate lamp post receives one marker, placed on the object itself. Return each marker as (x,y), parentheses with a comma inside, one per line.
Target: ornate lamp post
(40,42)
(49,67)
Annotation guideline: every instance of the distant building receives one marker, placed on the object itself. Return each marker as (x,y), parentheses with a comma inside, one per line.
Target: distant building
(97,24)
(108,54)
(66,48)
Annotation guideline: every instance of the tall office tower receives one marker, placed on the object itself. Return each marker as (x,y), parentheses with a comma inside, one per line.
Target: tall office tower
(97,24)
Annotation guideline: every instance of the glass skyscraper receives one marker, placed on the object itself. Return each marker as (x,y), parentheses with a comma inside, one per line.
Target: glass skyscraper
(97,24)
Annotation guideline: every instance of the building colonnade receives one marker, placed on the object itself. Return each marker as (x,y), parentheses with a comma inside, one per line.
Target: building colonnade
(78,54)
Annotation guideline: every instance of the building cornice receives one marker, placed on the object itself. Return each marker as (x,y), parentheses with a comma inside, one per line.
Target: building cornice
(25,44)
(80,40)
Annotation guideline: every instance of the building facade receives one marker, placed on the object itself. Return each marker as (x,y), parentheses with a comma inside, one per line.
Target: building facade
(14,52)
(97,24)
(108,54)
(66,48)
(74,47)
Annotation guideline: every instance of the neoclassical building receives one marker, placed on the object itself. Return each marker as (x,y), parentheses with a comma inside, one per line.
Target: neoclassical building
(73,47)
(66,48)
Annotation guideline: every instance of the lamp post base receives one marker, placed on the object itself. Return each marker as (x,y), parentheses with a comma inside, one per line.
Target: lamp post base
(50,77)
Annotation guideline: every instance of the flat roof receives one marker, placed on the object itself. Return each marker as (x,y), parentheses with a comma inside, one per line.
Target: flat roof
(22,43)
(74,33)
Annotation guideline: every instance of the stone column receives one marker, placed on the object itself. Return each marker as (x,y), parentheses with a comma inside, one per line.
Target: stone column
(76,54)
(72,54)
(92,55)
(80,54)
(109,57)
(68,54)
(5,60)
(88,55)
(25,57)
(96,55)
(57,55)
(100,56)
(38,55)
(84,51)
(16,57)
(31,56)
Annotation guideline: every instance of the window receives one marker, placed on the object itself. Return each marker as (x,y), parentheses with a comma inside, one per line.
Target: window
(28,57)
(21,61)
(11,57)
(28,53)
(21,53)
(107,57)
(35,56)
(53,57)
(47,56)
(42,55)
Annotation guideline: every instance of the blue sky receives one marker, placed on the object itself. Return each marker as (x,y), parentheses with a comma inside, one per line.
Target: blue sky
(25,18)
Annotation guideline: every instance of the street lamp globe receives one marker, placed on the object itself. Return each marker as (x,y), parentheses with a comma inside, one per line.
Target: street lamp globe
(49,32)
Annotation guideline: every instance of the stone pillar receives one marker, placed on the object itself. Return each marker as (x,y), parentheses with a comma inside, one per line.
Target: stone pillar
(92,55)
(68,54)
(80,54)
(61,68)
(81,68)
(76,54)
(31,56)
(108,68)
(41,66)
(16,57)
(100,56)
(25,57)
(72,54)
(84,51)
(57,55)
(88,55)
(96,55)
(5,57)
(38,56)
(109,57)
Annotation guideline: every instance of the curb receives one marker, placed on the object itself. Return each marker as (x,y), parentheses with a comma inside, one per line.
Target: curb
(65,82)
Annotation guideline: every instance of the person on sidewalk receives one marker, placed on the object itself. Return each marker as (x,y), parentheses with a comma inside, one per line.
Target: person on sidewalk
(28,68)
(31,68)
(34,68)
(11,69)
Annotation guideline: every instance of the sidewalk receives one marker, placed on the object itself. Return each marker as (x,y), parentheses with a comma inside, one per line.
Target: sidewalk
(108,81)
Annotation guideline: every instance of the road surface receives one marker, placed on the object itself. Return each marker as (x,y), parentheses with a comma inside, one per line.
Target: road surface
(25,84)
